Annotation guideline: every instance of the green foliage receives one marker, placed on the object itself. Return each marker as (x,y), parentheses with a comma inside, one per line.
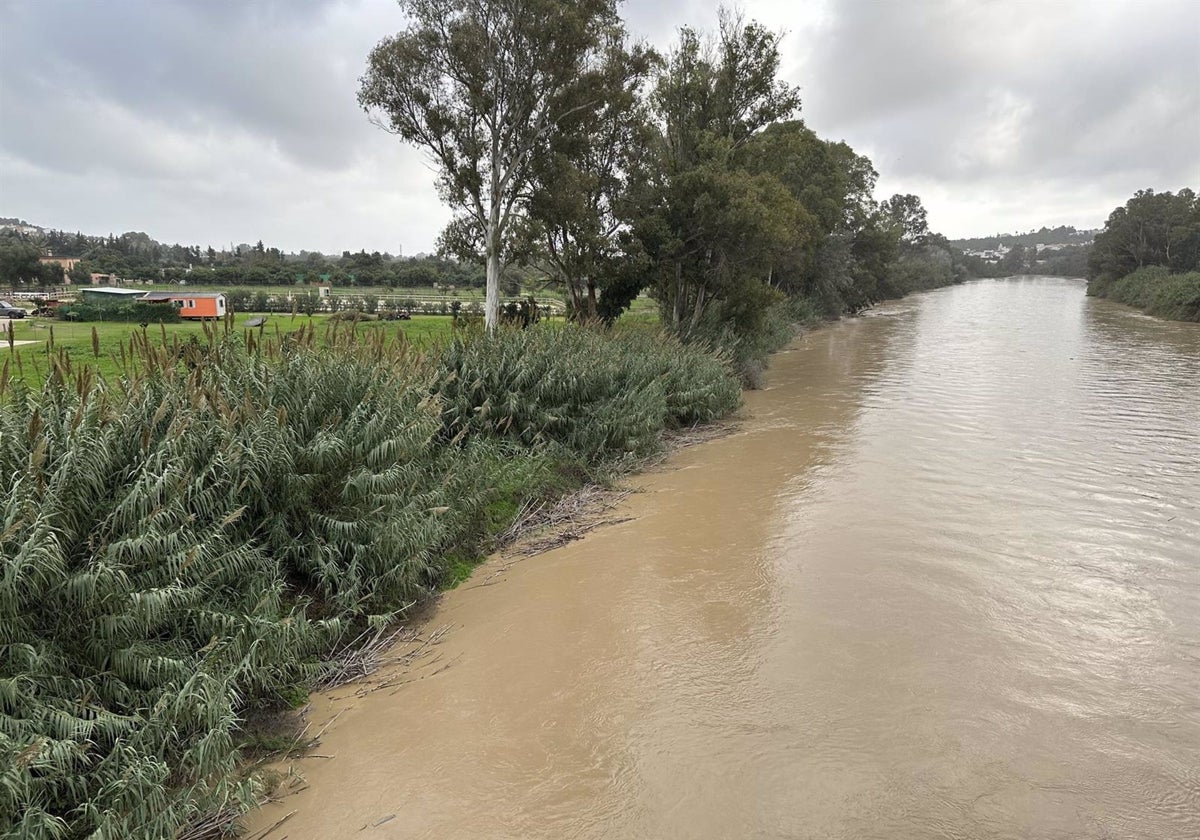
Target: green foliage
(1156,291)
(1150,229)
(184,543)
(710,225)
(1148,255)
(20,264)
(135,312)
(582,390)
(580,194)
(748,327)
(925,266)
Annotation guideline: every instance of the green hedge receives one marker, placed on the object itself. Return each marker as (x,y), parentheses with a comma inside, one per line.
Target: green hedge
(134,312)
(191,541)
(1155,290)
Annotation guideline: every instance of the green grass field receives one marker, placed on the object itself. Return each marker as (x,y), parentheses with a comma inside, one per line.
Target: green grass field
(29,361)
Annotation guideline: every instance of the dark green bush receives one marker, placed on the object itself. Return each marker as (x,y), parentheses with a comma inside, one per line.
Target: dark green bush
(134,312)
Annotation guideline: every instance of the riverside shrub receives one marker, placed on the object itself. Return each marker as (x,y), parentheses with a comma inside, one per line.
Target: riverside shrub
(191,539)
(597,396)
(1155,290)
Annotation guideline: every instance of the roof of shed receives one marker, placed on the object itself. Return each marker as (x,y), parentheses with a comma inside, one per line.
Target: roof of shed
(110,290)
(181,295)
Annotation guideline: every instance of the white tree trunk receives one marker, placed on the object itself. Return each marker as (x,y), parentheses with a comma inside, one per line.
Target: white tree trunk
(491,305)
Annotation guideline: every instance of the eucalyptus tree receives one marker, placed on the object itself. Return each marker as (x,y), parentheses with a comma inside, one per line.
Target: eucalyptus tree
(711,225)
(480,85)
(580,200)
(909,217)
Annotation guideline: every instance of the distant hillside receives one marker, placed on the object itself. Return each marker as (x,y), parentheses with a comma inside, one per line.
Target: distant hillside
(12,223)
(1060,251)
(1064,235)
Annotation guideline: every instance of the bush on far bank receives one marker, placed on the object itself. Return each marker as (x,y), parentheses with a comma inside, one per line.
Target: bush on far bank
(1154,290)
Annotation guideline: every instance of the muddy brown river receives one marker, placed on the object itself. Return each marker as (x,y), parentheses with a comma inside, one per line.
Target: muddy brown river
(944,581)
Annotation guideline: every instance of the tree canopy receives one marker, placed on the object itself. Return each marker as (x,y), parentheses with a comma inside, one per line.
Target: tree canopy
(481,85)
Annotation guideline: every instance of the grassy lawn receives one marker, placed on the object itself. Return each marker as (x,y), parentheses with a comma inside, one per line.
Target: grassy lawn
(29,361)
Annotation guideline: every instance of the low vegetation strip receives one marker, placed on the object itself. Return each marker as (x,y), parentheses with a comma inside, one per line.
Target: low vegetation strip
(187,542)
(1154,290)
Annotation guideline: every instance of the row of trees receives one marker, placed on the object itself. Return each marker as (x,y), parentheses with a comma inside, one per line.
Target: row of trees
(1148,255)
(612,169)
(1064,261)
(1152,228)
(570,154)
(135,256)
(1061,235)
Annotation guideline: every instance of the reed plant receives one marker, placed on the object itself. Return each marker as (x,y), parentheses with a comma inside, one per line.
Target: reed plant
(580,388)
(191,538)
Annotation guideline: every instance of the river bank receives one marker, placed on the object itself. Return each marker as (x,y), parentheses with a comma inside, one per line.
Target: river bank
(941,579)
(186,544)
(1155,291)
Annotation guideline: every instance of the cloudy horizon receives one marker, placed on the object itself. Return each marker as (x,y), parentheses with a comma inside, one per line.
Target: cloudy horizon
(225,122)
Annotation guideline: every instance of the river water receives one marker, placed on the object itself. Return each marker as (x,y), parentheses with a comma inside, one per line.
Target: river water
(944,581)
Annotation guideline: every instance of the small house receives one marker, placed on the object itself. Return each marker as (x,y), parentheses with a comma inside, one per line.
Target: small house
(198,305)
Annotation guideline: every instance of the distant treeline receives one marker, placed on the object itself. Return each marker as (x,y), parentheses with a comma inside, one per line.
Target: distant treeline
(136,256)
(1148,255)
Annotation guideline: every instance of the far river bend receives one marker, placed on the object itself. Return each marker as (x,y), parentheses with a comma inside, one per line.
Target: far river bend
(943,582)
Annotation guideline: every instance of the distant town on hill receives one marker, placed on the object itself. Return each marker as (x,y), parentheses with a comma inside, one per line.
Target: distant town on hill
(1061,251)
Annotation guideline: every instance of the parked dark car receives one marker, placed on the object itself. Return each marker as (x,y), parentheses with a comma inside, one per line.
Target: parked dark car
(7,310)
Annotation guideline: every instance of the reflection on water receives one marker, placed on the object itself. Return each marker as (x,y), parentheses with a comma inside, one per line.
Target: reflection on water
(944,583)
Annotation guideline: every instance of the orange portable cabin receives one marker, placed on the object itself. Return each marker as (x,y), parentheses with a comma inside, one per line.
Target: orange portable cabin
(191,304)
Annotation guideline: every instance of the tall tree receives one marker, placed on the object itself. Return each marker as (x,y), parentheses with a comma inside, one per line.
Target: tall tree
(480,85)
(908,215)
(1151,229)
(712,226)
(580,198)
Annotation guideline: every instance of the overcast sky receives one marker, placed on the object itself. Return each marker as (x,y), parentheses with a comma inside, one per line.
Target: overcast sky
(229,121)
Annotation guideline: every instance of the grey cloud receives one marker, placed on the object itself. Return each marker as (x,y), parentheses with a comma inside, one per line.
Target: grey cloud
(268,68)
(220,120)
(962,91)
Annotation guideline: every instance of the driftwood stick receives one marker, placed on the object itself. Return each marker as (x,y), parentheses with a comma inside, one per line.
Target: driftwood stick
(262,834)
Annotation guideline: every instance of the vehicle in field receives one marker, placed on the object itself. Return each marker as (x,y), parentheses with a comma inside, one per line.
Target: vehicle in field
(8,310)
